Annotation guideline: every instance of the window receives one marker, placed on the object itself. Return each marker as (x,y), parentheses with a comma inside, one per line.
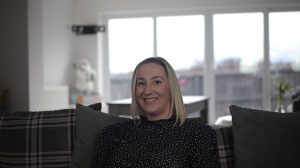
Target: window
(238,51)
(180,40)
(130,41)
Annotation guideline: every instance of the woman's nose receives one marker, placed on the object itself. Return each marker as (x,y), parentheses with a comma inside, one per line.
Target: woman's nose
(148,89)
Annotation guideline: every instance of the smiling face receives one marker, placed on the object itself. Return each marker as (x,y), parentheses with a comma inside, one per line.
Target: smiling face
(152,91)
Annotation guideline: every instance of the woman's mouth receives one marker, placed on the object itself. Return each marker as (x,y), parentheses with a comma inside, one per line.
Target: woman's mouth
(149,100)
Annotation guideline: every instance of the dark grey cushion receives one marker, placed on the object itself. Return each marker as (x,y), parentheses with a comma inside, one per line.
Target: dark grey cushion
(265,139)
(89,123)
(96,106)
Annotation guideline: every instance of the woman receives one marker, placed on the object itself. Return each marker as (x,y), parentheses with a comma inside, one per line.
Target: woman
(159,135)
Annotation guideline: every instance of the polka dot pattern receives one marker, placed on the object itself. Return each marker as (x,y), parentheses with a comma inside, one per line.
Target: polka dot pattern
(157,144)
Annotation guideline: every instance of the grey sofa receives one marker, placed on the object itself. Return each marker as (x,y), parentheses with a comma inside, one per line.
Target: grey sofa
(68,138)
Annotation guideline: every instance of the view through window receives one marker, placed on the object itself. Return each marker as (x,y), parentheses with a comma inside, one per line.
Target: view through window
(284,53)
(130,41)
(180,39)
(238,51)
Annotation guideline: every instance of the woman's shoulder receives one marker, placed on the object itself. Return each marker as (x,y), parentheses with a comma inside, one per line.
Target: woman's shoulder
(114,131)
(201,133)
(195,122)
(119,125)
(197,125)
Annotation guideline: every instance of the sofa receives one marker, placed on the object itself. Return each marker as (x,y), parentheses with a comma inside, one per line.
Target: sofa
(68,138)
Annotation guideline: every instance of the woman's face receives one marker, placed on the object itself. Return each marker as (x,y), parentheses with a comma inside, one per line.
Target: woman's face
(152,91)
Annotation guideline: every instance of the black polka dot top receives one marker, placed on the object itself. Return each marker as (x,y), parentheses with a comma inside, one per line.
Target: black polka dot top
(157,144)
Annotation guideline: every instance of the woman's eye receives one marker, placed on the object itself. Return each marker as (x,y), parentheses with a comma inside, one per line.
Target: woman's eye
(140,83)
(157,82)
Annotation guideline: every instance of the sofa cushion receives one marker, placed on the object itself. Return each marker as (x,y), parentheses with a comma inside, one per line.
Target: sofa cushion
(89,123)
(96,106)
(265,139)
(37,139)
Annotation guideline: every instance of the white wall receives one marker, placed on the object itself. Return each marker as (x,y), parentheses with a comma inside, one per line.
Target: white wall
(49,39)
(88,10)
(35,54)
(57,19)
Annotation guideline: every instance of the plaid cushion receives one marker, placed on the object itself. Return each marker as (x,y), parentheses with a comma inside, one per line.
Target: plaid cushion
(225,146)
(37,139)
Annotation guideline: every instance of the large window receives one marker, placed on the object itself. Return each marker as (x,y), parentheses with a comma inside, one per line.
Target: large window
(239,47)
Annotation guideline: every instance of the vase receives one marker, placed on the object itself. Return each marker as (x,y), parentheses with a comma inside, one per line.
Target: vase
(280,103)
(280,108)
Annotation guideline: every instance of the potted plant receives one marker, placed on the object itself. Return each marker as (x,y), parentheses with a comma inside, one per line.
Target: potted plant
(282,87)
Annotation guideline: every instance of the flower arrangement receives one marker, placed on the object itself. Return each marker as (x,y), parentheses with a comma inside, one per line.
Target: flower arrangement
(282,87)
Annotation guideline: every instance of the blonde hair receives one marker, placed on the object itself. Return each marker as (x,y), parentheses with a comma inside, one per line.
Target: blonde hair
(177,105)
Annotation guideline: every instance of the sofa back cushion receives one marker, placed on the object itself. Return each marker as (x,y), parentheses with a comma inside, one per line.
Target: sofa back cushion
(265,139)
(89,122)
(37,139)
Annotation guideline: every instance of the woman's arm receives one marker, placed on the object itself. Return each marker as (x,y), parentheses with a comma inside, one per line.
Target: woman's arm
(104,148)
(205,148)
